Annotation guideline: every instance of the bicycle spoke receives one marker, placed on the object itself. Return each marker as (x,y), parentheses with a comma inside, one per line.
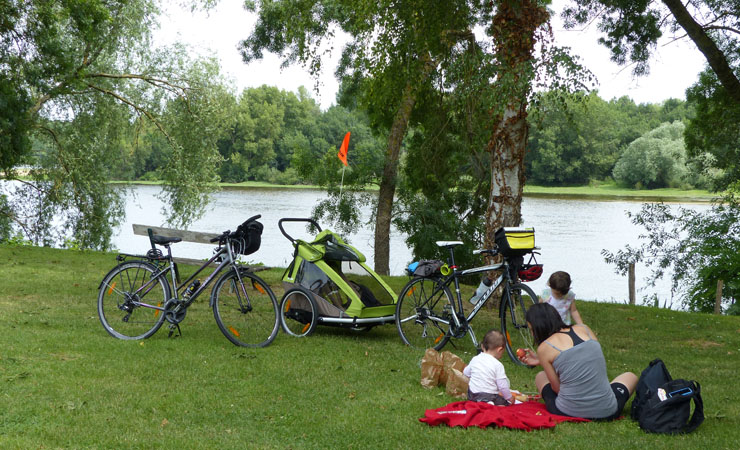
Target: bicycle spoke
(246,312)
(126,313)
(420,314)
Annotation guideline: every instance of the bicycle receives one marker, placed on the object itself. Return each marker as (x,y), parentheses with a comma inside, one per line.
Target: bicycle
(135,297)
(427,315)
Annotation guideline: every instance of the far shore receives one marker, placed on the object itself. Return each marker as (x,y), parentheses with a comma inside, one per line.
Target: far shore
(596,192)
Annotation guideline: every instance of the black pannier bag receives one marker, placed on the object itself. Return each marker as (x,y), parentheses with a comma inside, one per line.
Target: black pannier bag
(248,237)
(663,405)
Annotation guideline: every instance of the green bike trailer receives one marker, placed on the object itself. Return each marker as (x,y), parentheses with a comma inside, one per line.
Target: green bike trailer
(328,283)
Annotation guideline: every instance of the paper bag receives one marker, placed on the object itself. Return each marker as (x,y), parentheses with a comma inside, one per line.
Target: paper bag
(457,384)
(431,368)
(450,361)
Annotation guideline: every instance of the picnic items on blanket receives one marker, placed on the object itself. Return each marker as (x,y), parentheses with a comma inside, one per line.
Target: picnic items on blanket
(444,369)
(526,416)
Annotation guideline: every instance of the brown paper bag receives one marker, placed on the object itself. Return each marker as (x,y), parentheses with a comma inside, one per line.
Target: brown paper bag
(431,368)
(457,384)
(450,361)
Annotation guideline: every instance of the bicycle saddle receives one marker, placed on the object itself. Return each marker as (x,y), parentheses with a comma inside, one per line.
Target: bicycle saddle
(448,244)
(164,240)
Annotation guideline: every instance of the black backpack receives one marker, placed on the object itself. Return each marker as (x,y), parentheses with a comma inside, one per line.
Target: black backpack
(663,405)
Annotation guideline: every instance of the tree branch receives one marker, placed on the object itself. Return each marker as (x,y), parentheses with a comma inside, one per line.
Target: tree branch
(716,59)
(136,107)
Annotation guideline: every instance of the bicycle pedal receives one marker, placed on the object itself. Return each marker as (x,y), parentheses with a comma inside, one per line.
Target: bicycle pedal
(172,330)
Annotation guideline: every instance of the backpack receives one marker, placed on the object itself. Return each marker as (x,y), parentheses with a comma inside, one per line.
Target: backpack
(663,405)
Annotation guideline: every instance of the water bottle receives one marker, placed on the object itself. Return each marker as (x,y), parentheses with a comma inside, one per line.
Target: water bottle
(485,283)
(193,286)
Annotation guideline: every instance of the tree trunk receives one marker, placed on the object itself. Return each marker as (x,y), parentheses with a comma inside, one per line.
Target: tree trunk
(513,30)
(507,147)
(715,58)
(388,182)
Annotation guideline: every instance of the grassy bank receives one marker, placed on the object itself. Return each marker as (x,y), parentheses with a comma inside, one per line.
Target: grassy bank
(602,191)
(611,191)
(66,384)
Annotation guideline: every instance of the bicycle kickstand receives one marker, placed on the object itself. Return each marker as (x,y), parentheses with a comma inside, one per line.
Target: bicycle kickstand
(174,326)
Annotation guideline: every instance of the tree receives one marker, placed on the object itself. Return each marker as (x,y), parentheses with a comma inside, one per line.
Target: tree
(578,138)
(713,135)
(78,81)
(391,55)
(632,31)
(655,160)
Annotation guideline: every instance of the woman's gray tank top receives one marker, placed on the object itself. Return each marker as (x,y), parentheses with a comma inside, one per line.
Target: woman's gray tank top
(584,385)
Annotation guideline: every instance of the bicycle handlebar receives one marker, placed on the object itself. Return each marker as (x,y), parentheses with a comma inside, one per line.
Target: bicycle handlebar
(295,219)
(226,234)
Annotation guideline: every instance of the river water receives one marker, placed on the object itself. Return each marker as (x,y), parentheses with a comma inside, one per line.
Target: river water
(570,232)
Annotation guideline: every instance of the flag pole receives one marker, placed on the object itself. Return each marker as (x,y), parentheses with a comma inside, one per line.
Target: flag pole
(341,184)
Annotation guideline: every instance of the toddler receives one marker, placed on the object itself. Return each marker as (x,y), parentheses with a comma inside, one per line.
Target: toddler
(488,381)
(562,298)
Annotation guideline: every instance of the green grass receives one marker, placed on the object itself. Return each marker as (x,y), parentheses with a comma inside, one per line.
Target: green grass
(64,383)
(612,191)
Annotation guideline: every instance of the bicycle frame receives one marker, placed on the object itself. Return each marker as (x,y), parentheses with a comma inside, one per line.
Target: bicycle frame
(457,305)
(179,290)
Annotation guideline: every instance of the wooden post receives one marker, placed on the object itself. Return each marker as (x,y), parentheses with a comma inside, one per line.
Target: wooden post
(718,297)
(631,283)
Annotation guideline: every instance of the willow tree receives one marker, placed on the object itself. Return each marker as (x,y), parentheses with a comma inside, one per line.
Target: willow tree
(394,47)
(79,79)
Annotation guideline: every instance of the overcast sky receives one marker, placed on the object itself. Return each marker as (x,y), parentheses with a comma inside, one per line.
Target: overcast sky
(674,67)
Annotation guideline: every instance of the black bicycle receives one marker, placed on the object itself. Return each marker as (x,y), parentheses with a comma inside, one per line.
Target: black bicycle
(427,315)
(136,297)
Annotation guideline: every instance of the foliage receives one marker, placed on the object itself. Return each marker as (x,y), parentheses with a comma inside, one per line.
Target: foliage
(632,30)
(701,249)
(656,159)
(81,80)
(577,138)
(713,136)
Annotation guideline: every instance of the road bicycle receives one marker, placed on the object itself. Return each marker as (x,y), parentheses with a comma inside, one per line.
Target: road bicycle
(143,291)
(427,315)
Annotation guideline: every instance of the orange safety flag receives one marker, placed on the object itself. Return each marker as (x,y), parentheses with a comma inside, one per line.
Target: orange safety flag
(342,155)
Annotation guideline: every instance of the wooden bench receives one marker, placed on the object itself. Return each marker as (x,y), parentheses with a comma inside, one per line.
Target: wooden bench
(187,236)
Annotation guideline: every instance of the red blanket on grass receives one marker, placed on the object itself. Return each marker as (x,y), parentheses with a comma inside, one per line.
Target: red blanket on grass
(523,416)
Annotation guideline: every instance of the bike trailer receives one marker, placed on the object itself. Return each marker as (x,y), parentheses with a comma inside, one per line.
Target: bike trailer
(329,283)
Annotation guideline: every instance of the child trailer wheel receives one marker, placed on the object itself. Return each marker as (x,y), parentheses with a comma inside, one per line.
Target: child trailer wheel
(298,312)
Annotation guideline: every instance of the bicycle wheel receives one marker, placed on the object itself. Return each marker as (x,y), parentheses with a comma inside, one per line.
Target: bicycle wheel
(249,320)
(421,313)
(119,303)
(298,312)
(514,304)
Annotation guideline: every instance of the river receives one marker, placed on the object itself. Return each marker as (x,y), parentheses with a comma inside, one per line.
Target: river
(570,232)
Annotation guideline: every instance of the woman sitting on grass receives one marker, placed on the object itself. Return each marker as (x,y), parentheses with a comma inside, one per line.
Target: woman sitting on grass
(574,381)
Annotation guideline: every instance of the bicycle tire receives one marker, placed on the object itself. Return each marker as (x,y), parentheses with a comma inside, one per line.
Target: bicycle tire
(298,312)
(120,317)
(419,309)
(514,304)
(246,322)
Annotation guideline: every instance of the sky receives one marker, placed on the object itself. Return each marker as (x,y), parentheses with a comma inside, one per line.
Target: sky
(674,66)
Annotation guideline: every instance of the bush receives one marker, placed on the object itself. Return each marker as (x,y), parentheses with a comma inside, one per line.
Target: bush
(655,160)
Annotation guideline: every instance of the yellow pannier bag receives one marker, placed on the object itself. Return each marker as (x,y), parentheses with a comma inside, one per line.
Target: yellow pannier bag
(514,241)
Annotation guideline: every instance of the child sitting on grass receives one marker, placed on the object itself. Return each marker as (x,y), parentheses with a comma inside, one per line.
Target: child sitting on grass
(562,297)
(488,381)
